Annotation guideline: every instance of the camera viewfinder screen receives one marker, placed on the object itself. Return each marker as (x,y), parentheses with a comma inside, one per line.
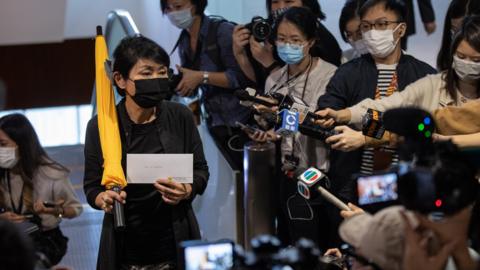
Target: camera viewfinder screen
(217,256)
(377,188)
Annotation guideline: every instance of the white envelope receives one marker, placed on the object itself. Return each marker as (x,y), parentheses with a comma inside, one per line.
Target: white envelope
(147,168)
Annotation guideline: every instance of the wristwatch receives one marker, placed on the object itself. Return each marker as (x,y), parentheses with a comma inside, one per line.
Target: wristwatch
(205,78)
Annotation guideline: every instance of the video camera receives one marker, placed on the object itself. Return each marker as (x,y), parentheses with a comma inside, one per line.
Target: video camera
(260,28)
(267,253)
(433,178)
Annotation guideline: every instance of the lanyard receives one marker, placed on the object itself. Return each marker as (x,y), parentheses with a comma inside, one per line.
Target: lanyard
(20,204)
(393,86)
(276,87)
(308,69)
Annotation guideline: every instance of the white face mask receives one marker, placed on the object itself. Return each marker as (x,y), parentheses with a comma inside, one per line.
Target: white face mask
(466,70)
(359,47)
(380,43)
(8,157)
(182,19)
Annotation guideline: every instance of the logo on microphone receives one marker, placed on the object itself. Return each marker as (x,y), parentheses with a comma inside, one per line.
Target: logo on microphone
(303,190)
(311,176)
(289,125)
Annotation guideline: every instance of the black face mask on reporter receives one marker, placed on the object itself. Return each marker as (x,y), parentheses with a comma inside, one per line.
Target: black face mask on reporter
(150,92)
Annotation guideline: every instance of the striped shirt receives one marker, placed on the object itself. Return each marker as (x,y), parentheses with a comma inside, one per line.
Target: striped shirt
(387,84)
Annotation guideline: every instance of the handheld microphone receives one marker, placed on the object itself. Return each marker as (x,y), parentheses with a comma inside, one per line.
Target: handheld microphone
(310,183)
(372,124)
(118,214)
(288,124)
(244,95)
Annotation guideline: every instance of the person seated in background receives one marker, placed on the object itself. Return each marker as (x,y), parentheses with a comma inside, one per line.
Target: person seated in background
(349,25)
(304,77)
(457,85)
(158,216)
(378,74)
(207,63)
(456,12)
(385,238)
(34,187)
(257,60)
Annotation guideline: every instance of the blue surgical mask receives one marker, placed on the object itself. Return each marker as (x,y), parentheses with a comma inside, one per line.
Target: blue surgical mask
(290,54)
(182,19)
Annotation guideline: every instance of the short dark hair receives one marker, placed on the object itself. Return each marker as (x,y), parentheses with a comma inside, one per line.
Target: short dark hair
(470,32)
(303,19)
(397,6)
(349,12)
(200,6)
(132,49)
(313,5)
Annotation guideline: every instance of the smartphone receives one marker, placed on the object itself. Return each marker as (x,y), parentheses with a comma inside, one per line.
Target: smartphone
(247,128)
(377,189)
(49,204)
(199,255)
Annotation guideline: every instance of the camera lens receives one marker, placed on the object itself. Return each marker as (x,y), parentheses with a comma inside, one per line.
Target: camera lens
(261,30)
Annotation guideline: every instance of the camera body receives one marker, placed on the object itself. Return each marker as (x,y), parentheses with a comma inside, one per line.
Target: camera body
(267,253)
(260,28)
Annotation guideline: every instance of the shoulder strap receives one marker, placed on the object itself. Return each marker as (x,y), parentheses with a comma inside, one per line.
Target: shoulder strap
(212,49)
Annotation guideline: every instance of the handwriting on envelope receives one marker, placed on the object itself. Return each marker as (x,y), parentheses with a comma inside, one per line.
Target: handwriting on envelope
(146,168)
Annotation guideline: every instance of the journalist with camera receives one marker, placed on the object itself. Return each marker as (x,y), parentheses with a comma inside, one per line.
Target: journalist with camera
(255,49)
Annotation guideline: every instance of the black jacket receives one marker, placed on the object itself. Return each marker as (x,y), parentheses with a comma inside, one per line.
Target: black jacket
(178,134)
(352,83)
(426,12)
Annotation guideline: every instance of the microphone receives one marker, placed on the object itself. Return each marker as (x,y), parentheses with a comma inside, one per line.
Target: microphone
(288,124)
(244,95)
(310,183)
(372,124)
(118,214)
(410,122)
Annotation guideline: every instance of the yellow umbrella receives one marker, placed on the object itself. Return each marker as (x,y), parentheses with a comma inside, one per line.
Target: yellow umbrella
(113,175)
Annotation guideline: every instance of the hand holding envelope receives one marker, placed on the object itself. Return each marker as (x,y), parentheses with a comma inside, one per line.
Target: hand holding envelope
(171,174)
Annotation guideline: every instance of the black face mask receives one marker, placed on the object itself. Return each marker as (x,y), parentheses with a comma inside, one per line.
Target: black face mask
(150,92)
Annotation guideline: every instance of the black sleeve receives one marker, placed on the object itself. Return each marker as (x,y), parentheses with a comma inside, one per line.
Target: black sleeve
(200,167)
(326,46)
(93,163)
(336,95)
(426,11)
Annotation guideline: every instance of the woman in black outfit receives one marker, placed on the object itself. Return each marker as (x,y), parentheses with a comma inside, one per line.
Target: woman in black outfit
(158,215)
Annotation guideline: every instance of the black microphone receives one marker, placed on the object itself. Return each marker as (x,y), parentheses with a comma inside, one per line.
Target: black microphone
(410,122)
(243,95)
(309,185)
(118,213)
(372,124)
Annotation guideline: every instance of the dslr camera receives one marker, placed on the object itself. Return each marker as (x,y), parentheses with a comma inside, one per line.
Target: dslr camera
(260,28)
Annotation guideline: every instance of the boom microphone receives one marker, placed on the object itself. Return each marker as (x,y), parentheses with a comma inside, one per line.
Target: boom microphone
(310,183)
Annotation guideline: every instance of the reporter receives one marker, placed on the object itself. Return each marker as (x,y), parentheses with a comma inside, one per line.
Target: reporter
(304,77)
(29,178)
(458,85)
(349,24)
(160,215)
(207,63)
(258,60)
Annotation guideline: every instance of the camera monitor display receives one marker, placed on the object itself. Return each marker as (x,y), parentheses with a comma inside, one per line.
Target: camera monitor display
(209,256)
(374,189)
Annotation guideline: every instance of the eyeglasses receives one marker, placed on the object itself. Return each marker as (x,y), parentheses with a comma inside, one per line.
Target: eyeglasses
(377,25)
(281,42)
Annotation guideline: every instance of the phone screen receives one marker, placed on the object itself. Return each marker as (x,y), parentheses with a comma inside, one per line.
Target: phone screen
(217,256)
(377,188)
